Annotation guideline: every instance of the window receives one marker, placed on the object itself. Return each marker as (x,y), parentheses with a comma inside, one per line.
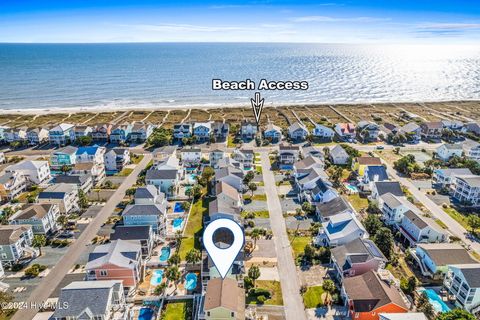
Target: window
(208,313)
(232,314)
(103,273)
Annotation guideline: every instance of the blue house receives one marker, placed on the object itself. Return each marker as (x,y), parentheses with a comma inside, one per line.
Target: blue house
(120,133)
(63,157)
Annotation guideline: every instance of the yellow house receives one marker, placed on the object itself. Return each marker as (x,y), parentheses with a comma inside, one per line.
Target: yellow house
(224,300)
(360,163)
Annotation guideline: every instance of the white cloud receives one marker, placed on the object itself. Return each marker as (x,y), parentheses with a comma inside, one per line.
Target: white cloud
(337,19)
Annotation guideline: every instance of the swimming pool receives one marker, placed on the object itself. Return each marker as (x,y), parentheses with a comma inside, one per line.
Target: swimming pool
(178,207)
(351,188)
(157,277)
(192,177)
(177,224)
(436,301)
(190,281)
(145,314)
(165,253)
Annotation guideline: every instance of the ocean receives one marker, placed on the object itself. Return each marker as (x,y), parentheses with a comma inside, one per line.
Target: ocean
(168,75)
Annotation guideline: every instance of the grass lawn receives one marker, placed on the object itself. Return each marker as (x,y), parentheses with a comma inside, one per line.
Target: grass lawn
(460,218)
(275,290)
(23,197)
(193,229)
(313,297)
(136,160)
(258,197)
(258,169)
(180,310)
(230,143)
(258,214)
(261,184)
(441,223)
(125,172)
(298,244)
(357,202)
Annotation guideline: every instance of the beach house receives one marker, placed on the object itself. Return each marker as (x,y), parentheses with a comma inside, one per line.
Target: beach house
(345,131)
(223,299)
(60,135)
(444,178)
(297,131)
(393,208)
(248,130)
(272,133)
(153,215)
(120,133)
(116,159)
(215,156)
(471,149)
(191,156)
(103,299)
(96,156)
(15,134)
(220,131)
(166,180)
(228,194)
(245,157)
(287,156)
(12,184)
(357,257)
(380,188)
(80,131)
(431,130)
(367,131)
(230,175)
(359,164)
(63,158)
(142,233)
(182,130)
(462,282)
(341,229)
(15,244)
(447,151)
(411,131)
(202,131)
(417,228)
(140,132)
(37,172)
(117,260)
(466,190)
(62,194)
(36,136)
(42,218)
(83,182)
(338,155)
(323,132)
(101,132)
(331,208)
(369,294)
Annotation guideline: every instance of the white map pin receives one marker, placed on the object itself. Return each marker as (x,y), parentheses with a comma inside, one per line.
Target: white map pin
(223,258)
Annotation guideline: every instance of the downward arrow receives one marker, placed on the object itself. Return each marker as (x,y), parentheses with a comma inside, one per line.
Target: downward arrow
(257,106)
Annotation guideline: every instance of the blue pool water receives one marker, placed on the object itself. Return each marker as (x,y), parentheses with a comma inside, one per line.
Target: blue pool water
(178,207)
(352,188)
(177,224)
(192,177)
(145,314)
(436,301)
(165,253)
(190,281)
(157,277)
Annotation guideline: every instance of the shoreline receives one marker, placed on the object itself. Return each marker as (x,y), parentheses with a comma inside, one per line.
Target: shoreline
(106,109)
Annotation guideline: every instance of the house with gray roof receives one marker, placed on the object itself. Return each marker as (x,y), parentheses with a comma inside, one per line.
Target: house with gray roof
(357,257)
(142,233)
(367,131)
(272,133)
(434,258)
(62,194)
(331,208)
(230,175)
(417,228)
(12,184)
(412,132)
(338,155)
(466,190)
(149,195)
(393,208)
(220,131)
(91,300)
(449,150)
(380,188)
(287,156)
(42,218)
(341,229)
(462,281)
(302,167)
(117,260)
(444,178)
(15,243)
(372,174)
(471,149)
(220,208)
(84,182)
(297,131)
(245,157)
(166,180)
(153,215)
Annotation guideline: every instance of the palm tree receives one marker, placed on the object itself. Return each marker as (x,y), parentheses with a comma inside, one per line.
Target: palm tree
(255,235)
(173,274)
(329,287)
(62,220)
(193,256)
(252,187)
(39,241)
(254,273)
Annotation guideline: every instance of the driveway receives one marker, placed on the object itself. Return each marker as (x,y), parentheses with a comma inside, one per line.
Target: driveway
(56,275)
(294,308)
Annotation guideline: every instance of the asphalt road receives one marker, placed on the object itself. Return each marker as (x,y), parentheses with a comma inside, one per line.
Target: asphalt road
(53,279)
(454,227)
(292,300)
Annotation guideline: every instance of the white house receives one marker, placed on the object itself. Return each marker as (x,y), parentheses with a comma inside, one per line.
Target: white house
(165,179)
(323,132)
(42,218)
(245,157)
(141,131)
(60,135)
(62,194)
(417,228)
(191,156)
(80,131)
(230,175)
(11,185)
(338,155)
(467,190)
(446,151)
(202,130)
(116,159)
(15,243)
(15,134)
(228,194)
(96,156)
(463,282)
(297,131)
(444,178)
(215,156)
(37,136)
(341,229)
(471,149)
(287,156)
(37,172)
(368,131)
(2,157)
(393,208)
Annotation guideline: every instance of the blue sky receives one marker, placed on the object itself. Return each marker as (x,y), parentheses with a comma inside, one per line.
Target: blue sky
(330,21)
